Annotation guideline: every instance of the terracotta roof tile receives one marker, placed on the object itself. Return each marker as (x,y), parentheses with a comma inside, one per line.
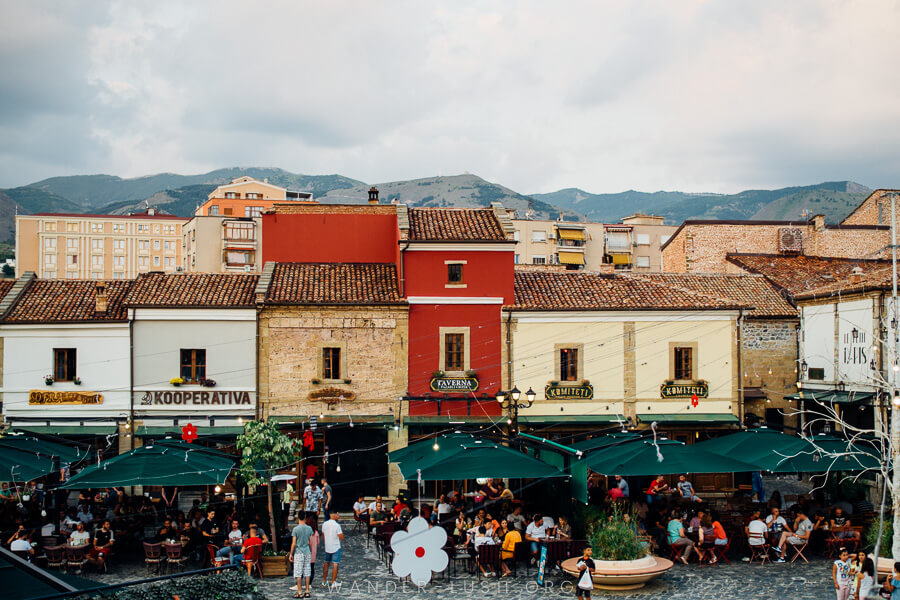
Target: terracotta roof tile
(193,290)
(455,224)
(5,285)
(750,290)
(593,291)
(799,274)
(68,300)
(338,283)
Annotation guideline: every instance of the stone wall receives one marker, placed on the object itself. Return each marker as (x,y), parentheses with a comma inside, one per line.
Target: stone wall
(769,361)
(875,210)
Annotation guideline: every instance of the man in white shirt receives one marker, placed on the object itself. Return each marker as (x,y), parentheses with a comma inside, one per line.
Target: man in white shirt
(756,531)
(85,515)
(333,536)
(235,541)
(799,538)
(372,504)
(776,523)
(535,533)
(79,537)
(22,544)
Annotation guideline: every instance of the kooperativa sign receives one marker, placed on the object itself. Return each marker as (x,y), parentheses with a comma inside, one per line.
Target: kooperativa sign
(196,398)
(43,397)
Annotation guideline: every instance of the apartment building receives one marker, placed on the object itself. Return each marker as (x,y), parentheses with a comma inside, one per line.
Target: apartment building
(632,245)
(77,246)
(215,244)
(247,197)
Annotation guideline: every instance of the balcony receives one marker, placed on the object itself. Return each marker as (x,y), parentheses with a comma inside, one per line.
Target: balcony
(571,244)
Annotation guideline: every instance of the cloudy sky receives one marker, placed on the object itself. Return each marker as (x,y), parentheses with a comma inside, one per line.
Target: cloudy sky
(605,96)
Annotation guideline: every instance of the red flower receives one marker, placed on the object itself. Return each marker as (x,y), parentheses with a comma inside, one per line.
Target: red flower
(189,433)
(695,400)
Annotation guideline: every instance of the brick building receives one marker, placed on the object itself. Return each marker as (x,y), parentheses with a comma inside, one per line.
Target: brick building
(700,246)
(333,342)
(874,210)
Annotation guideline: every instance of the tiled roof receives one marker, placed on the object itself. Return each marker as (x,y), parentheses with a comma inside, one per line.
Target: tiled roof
(338,283)
(750,290)
(875,279)
(799,274)
(455,225)
(5,285)
(592,291)
(68,300)
(193,290)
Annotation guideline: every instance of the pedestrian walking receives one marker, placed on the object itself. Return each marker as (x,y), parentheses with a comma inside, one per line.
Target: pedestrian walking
(300,556)
(333,535)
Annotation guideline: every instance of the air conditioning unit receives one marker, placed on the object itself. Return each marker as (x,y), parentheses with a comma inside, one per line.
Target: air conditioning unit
(790,239)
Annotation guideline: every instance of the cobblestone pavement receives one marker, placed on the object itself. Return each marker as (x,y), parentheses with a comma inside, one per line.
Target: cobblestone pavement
(363,575)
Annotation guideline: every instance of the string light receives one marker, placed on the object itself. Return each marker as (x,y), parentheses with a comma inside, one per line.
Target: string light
(436,446)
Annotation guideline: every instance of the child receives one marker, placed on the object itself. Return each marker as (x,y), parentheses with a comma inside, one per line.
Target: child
(840,574)
(892,585)
(585,580)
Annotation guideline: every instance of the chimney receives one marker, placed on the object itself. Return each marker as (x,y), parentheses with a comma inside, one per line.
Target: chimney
(818,222)
(151,211)
(856,275)
(373,195)
(100,295)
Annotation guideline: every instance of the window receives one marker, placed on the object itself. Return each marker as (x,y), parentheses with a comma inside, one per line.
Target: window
(642,239)
(539,259)
(170,261)
(168,229)
(96,227)
(663,239)
(213,210)
(96,275)
(331,363)
(71,243)
(49,259)
(72,259)
(253,211)
(817,373)
(49,274)
(50,244)
(253,196)
(118,275)
(144,245)
(155,261)
(143,227)
(96,244)
(97,261)
(684,363)
(516,257)
(232,195)
(118,227)
(516,235)
(239,230)
(169,246)
(71,275)
(454,354)
(143,261)
(156,228)
(617,241)
(568,364)
(228,211)
(119,261)
(156,244)
(454,273)
(49,225)
(538,236)
(193,365)
(64,364)
(72,227)
(239,257)
(119,245)
(642,261)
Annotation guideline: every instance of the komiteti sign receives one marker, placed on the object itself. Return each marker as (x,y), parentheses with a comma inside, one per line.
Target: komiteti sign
(688,390)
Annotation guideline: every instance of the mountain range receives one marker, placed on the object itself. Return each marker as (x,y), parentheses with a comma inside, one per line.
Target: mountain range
(180,194)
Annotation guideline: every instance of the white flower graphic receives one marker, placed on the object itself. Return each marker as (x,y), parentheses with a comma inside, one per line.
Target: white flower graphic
(419,551)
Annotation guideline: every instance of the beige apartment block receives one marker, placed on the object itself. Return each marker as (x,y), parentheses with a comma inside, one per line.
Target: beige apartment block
(222,245)
(246,197)
(76,246)
(632,245)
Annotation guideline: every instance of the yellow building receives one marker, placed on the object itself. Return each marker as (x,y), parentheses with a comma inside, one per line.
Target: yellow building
(76,246)
(246,197)
(622,351)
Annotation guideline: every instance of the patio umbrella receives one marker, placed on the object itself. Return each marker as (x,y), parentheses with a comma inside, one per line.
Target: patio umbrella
(425,447)
(824,453)
(169,463)
(18,466)
(44,447)
(642,458)
(607,439)
(763,447)
(478,459)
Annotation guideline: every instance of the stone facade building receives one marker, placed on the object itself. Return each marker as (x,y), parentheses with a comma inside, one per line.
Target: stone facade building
(875,210)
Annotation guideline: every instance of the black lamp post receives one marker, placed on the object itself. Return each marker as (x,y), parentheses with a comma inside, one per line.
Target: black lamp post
(511,401)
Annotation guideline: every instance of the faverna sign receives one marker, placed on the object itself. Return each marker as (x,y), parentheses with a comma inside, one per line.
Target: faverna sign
(454,384)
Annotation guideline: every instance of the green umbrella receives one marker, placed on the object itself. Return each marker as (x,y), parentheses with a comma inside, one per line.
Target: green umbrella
(477,459)
(18,466)
(607,439)
(168,463)
(421,449)
(643,458)
(44,447)
(824,453)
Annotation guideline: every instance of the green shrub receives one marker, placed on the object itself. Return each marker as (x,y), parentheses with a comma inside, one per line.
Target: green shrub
(229,585)
(887,536)
(613,539)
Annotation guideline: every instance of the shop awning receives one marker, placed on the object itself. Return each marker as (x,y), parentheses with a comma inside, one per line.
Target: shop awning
(619,258)
(665,457)
(424,447)
(690,418)
(832,396)
(477,459)
(571,258)
(228,430)
(69,430)
(357,419)
(449,419)
(570,234)
(552,419)
(167,462)
(605,440)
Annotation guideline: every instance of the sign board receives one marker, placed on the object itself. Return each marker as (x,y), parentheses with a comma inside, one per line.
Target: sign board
(687,390)
(454,384)
(196,398)
(569,392)
(68,397)
(542,565)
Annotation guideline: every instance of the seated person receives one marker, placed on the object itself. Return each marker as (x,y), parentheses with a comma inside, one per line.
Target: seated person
(260,532)
(22,543)
(675,532)
(505,493)
(235,539)
(563,529)
(372,504)
(190,538)
(378,516)
(840,525)
(695,521)
(516,519)
(401,509)
(361,509)
(167,532)
(535,533)
(707,536)
(103,543)
(79,537)
(657,486)
(507,551)
(756,530)
(720,535)
(686,489)
(800,537)
(252,540)
(775,522)
(482,539)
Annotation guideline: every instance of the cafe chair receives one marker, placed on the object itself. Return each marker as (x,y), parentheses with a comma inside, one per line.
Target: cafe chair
(522,553)
(76,556)
(760,551)
(251,560)
(721,552)
(56,557)
(489,556)
(153,558)
(798,549)
(175,556)
(215,561)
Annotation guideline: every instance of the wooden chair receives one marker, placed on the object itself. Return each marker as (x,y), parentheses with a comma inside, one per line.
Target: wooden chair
(522,553)
(798,549)
(251,560)
(721,551)
(361,521)
(489,556)
(56,556)
(175,556)
(76,556)
(153,556)
(759,549)
(23,554)
(215,561)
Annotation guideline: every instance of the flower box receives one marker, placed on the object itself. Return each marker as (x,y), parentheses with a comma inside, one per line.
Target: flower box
(274,566)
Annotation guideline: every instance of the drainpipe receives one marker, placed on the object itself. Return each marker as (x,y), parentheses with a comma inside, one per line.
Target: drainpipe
(509,362)
(740,344)
(402,271)
(131,379)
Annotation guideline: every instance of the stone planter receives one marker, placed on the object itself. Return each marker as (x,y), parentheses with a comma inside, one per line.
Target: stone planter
(274,566)
(620,575)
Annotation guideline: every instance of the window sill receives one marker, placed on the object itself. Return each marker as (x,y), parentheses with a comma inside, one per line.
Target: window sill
(332,382)
(456,285)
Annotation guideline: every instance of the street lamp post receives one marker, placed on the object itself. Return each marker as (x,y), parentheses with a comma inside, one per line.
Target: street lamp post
(511,401)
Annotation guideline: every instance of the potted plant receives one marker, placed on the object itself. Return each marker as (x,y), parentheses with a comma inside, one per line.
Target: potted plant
(208,382)
(437,374)
(48,379)
(315,381)
(472,373)
(274,564)
(585,382)
(77,380)
(176,381)
(348,381)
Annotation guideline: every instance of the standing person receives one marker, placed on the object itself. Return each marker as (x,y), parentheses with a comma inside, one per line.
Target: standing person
(327,498)
(313,498)
(585,581)
(287,496)
(300,556)
(312,520)
(333,535)
(866,577)
(840,575)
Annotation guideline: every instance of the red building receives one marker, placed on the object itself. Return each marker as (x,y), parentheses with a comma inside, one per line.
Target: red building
(457,267)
